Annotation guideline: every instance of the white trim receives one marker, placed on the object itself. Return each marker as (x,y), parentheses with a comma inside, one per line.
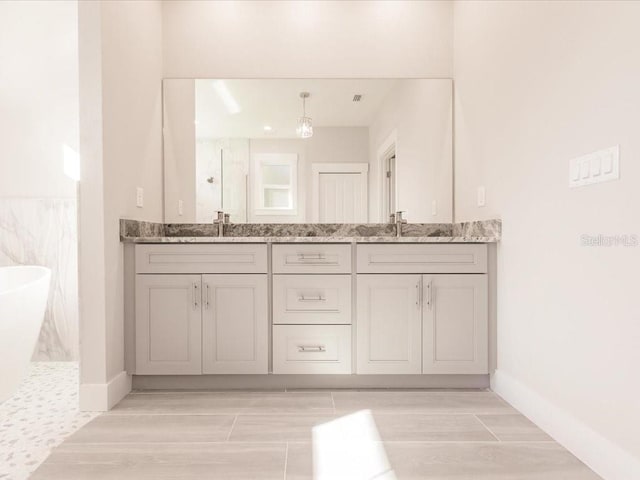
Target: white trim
(102,397)
(382,152)
(601,455)
(346,167)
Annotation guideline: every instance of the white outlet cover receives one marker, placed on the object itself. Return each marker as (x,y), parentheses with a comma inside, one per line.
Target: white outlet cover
(139,197)
(482,196)
(434,207)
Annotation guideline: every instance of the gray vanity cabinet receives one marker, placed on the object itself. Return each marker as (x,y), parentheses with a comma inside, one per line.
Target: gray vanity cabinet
(455,324)
(422,309)
(389,324)
(168,324)
(235,324)
(194,315)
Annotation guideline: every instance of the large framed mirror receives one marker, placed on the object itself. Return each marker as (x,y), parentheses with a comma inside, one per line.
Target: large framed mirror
(308,150)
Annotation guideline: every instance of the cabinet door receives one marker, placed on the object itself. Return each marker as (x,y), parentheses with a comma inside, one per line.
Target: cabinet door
(235,330)
(389,324)
(455,338)
(168,324)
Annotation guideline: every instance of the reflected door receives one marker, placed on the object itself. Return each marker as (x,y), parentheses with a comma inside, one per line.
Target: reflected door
(340,196)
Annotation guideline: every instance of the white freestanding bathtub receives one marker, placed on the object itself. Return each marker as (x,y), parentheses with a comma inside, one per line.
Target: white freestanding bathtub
(23,299)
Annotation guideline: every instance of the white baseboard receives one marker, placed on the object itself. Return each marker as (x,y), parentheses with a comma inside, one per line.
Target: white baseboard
(101,397)
(601,455)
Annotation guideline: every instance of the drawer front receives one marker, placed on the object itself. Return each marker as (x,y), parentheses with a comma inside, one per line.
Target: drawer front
(218,258)
(312,299)
(422,258)
(301,349)
(311,258)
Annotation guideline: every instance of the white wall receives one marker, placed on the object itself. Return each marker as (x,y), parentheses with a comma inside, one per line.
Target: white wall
(419,114)
(38,115)
(311,39)
(39,97)
(179,151)
(120,92)
(538,83)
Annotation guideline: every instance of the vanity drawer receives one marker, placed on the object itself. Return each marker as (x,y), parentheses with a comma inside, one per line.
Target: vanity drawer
(208,258)
(312,349)
(311,258)
(312,299)
(422,258)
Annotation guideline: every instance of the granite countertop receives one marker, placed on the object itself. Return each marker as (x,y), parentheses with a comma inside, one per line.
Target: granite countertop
(165,239)
(485,231)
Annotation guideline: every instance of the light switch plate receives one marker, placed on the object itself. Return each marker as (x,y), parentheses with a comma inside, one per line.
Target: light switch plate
(139,197)
(596,167)
(482,194)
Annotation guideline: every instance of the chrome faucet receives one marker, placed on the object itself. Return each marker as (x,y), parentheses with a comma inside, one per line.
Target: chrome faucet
(399,222)
(220,221)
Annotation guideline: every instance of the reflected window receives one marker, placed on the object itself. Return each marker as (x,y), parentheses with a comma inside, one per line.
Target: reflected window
(276,184)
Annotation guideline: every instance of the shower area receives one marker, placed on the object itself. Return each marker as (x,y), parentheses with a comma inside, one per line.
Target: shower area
(222,167)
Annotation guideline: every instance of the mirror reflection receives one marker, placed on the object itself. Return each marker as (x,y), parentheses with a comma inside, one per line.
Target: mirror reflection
(307,150)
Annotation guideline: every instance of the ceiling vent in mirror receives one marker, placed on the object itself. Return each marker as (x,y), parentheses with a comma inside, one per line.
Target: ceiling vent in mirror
(357,97)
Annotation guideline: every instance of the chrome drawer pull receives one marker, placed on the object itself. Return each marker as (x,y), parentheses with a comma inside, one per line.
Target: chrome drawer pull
(319,298)
(311,256)
(311,348)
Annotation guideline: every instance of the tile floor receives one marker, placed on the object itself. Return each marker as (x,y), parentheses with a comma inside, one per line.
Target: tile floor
(263,435)
(38,417)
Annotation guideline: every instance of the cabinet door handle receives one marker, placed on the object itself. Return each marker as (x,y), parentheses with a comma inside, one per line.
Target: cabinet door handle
(311,348)
(429,295)
(418,291)
(195,296)
(319,298)
(207,296)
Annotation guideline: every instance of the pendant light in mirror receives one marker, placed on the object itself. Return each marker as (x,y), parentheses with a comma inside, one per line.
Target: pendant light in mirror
(305,128)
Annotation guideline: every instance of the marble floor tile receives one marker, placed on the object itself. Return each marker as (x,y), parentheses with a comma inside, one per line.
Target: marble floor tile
(225,403)
(155,428)
(509,428)
(422,402)
(38,417)
(485,461)
(165,461)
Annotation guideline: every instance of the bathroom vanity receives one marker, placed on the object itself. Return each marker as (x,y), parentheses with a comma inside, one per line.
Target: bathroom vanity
(415,308)
(299,290)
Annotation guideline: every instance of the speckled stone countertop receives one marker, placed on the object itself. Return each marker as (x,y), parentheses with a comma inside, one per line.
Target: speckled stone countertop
(486,231)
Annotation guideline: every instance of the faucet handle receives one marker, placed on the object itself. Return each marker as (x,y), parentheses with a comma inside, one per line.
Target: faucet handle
(399,216)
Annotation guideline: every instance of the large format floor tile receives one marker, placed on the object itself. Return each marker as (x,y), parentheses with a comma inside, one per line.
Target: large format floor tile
(165,461)
(509,428)
(485,461)
(276,428)
(225,403)
(436,435)
(391,427)
(422,402)
(431,428)
(155,428)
